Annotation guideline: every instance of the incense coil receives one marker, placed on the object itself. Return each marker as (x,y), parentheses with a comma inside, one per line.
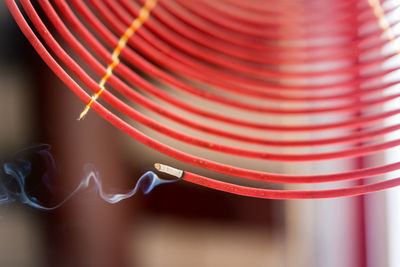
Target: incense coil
(116,16)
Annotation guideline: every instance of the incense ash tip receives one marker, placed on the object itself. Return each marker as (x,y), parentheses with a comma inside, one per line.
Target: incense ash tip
(82,116)
(169,170)
(157,166)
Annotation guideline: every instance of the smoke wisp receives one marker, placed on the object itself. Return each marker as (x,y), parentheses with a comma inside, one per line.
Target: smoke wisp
(16,178)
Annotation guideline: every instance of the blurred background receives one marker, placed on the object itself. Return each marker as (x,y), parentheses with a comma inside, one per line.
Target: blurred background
(178,224)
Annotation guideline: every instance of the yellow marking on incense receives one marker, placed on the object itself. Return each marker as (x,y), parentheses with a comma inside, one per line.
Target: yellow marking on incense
(382,21)
(135,25)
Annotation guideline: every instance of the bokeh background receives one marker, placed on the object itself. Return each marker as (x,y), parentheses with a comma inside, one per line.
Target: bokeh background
(177,224)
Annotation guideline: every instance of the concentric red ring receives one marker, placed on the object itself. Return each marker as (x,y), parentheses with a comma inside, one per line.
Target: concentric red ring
(151,43)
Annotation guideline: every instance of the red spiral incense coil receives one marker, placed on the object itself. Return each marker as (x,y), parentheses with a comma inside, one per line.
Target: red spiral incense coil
(238,55)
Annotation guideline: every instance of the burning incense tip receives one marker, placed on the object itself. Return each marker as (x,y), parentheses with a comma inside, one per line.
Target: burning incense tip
(82,115)
(169,170)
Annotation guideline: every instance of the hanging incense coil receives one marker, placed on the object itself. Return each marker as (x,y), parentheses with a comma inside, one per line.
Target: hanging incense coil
(240,51)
